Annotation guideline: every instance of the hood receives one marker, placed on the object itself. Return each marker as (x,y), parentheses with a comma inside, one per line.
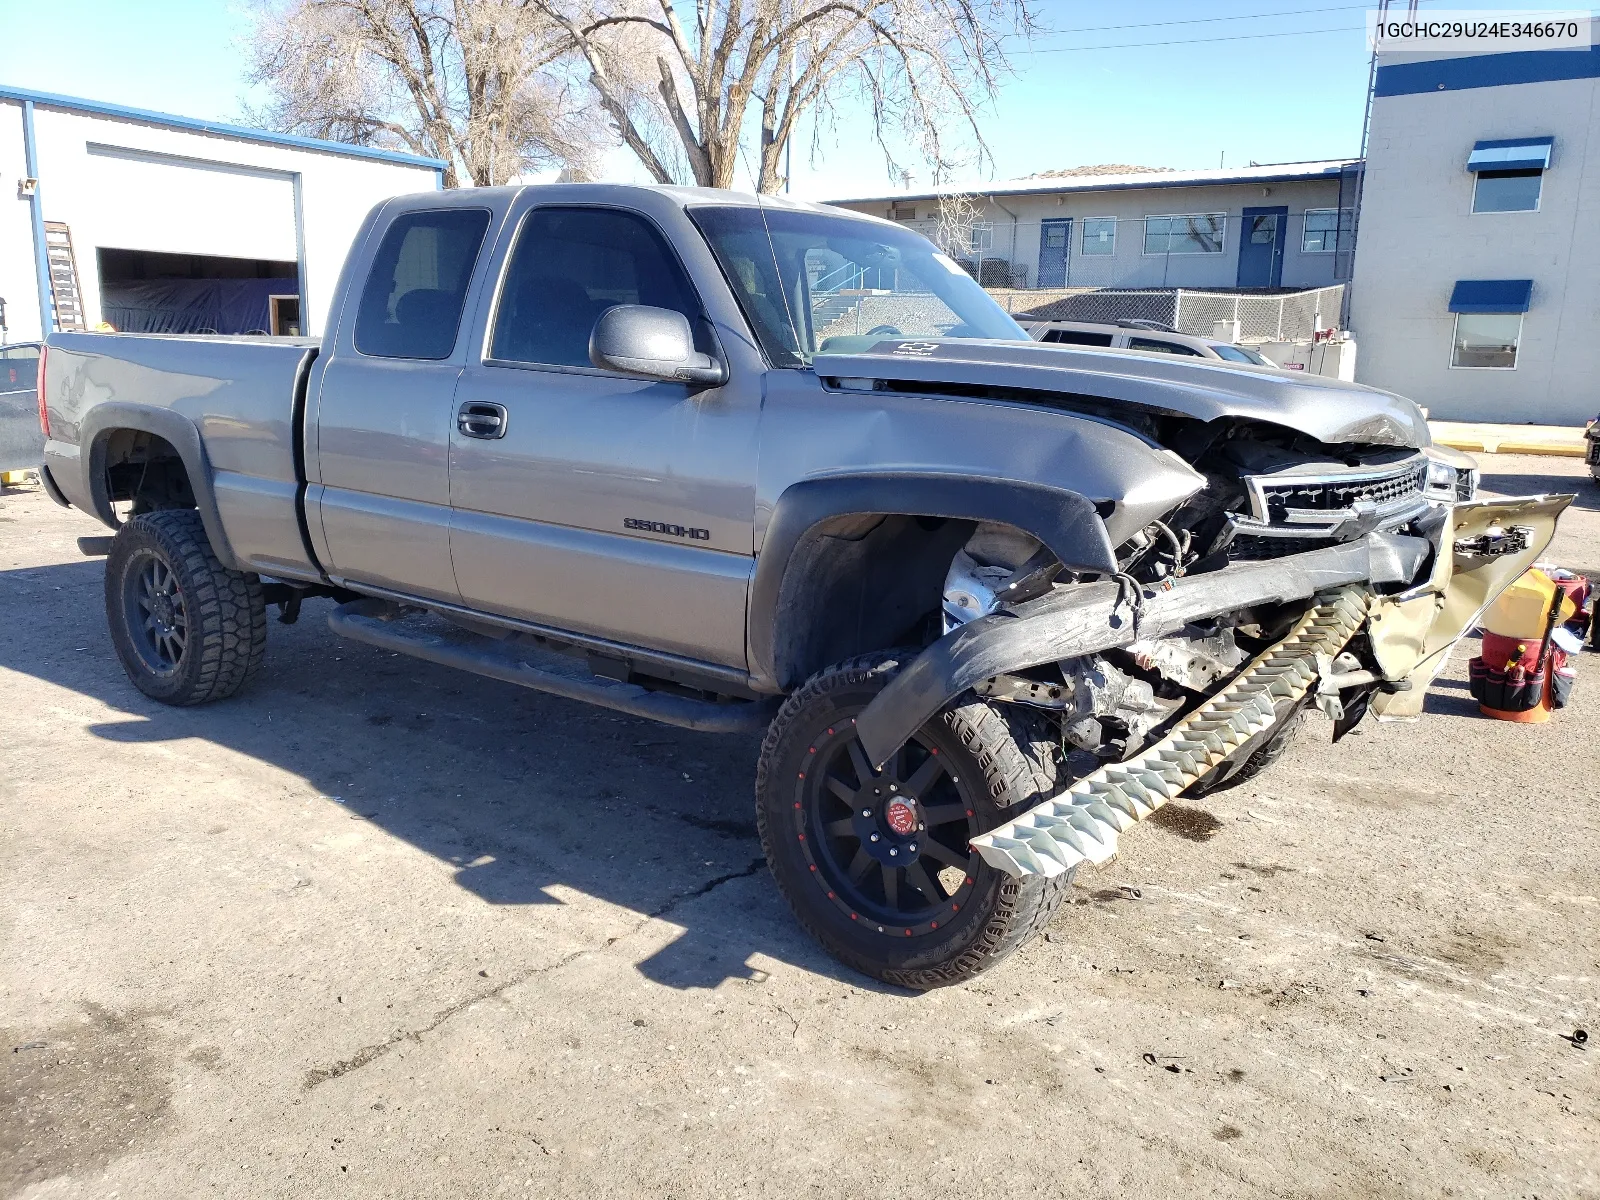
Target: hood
(1329,410)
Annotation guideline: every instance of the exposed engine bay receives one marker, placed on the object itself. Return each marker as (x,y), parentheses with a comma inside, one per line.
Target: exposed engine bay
(1270,493)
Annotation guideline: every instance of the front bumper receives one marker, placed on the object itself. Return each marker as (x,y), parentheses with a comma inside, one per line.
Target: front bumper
(1442,596)
(1089,618)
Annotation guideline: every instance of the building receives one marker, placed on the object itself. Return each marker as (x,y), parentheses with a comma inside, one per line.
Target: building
(161,223)
(1272,226)
(1477,271)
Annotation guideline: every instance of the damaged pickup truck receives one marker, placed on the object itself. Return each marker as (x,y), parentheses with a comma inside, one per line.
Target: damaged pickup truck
(742,467)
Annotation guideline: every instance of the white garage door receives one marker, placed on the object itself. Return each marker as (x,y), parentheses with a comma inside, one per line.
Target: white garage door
(174,205)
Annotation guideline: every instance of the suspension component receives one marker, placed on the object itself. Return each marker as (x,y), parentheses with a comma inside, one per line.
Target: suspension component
(1082,823)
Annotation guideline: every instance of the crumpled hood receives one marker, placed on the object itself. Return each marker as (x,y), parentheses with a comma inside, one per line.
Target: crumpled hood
(1329,410)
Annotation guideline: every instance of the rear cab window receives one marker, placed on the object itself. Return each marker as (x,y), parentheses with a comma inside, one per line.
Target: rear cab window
(412,300)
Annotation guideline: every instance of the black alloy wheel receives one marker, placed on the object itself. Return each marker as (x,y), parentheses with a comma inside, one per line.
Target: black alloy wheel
(891,845)
(157,613)
(187,629)
(877,864)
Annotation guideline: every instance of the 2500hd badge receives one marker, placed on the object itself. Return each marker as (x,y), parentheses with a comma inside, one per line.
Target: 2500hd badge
(668,528)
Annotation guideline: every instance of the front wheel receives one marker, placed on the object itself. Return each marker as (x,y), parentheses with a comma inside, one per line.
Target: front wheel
(187,629)
(877,865)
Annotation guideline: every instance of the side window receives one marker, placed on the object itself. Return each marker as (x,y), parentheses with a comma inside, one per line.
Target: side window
(1077,337)
(570,265)
(1161,347)
(411,304)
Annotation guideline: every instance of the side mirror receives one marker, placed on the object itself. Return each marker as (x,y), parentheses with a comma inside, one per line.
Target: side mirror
(654,343)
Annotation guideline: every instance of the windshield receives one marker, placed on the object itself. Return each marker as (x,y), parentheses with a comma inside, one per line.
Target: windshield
(840,286)
(1238,354)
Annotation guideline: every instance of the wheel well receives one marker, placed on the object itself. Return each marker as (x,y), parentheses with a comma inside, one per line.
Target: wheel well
(145,471)
(859,583)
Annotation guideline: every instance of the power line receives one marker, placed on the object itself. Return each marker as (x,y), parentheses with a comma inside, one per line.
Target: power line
(1297,12)
(1238,37)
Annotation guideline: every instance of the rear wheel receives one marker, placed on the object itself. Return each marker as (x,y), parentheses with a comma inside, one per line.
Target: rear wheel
(187,629)
(876,864)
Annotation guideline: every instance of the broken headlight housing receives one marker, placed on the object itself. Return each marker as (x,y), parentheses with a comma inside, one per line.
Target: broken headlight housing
(1452,476)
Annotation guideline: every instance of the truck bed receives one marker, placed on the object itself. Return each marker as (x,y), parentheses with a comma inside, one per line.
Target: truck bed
(239,397)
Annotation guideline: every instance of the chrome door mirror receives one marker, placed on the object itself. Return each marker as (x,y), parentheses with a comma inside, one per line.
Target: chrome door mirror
(653,343)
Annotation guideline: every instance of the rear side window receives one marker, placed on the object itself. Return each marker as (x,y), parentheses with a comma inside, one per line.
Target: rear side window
(1161,347)
(411,304)
(1077,337)
(568,267)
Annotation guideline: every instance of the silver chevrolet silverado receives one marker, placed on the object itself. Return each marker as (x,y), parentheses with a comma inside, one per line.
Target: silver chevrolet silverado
(740,466)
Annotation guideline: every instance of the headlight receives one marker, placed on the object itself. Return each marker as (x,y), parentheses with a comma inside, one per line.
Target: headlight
(1441,483)
(1452,475)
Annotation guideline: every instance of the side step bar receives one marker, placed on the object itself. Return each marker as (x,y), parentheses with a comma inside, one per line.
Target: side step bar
(380,623)
(1083,822)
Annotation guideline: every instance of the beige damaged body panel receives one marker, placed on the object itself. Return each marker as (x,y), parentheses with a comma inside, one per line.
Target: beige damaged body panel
(1412,634)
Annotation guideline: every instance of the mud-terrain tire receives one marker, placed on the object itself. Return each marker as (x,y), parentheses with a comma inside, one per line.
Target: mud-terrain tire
(980,758)
(187,629)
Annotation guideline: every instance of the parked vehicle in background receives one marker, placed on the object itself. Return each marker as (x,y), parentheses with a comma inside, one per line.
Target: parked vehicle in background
(1140,335)
(21,440)
(992,602)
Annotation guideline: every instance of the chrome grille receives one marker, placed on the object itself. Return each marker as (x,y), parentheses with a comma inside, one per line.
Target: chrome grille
(1336,495)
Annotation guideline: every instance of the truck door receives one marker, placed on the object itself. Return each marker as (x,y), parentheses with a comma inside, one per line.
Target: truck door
(383,413)
(584,499)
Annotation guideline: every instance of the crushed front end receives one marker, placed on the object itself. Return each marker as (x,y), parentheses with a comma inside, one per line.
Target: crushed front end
(1301,574)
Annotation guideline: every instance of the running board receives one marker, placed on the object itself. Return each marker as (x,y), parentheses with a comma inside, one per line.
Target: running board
(1082,823)
(379,623)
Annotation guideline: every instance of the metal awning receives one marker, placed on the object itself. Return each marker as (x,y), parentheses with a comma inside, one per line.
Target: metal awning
(1511,154)
(1491,295)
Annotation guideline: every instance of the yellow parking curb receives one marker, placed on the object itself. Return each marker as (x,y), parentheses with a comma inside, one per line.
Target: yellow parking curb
(1554,440)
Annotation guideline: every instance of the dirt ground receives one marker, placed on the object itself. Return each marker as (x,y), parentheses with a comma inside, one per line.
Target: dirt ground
(376,928)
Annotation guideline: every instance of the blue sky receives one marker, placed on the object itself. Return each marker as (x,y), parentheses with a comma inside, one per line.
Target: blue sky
(1103,90)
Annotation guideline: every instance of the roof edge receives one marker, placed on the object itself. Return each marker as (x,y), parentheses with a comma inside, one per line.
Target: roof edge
(219,128)
(1325,169)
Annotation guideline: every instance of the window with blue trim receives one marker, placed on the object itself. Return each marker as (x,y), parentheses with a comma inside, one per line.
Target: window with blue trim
(1509,174)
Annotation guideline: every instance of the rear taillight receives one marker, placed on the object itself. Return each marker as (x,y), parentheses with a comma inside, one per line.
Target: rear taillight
(44,413)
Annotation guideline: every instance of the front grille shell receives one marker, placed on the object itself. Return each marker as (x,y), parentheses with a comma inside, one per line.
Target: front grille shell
(1292,511)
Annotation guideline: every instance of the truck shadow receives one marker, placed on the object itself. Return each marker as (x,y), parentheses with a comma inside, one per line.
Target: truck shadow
(526,796)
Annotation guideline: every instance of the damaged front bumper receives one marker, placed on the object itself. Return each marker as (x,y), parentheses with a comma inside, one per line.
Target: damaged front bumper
(1444,583)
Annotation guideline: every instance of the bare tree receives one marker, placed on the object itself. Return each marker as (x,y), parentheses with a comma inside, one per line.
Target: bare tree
(484,85)
(681,85)
(959,214)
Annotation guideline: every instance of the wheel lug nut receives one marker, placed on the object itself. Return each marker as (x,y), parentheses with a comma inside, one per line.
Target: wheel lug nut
(866,812)
(874,837)
(894,787)
(892,853)
(912,847)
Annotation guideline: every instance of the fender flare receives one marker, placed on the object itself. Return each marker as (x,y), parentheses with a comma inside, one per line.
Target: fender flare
(177,431)
(1065,521)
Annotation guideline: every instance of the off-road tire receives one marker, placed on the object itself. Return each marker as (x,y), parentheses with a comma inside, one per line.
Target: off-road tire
(1016,765)
(226,616)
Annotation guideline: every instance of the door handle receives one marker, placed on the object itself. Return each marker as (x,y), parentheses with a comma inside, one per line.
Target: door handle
(476,419)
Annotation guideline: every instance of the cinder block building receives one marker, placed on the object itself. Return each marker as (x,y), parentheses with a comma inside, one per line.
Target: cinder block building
(1476,287)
